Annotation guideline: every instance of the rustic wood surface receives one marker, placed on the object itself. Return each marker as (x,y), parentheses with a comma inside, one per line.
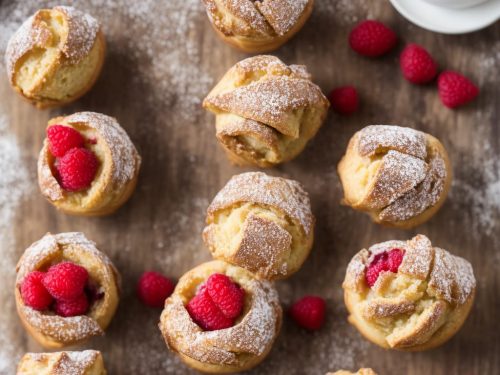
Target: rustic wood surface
(183,168)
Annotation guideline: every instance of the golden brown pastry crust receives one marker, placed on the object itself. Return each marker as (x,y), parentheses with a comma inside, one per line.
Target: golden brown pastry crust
(266,111)
(421,306)
(399,176)
(257,26)
(116,178)
(56,56)
(53,331)
(361,371)
(87,362)
(261,223)
(234,349)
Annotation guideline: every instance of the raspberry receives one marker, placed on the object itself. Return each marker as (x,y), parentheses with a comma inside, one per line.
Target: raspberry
(34,293)
(372,38)
(344,100)
(455,89)
(77,169)
(153,289)
(217,304)
(383,262)
(309,312)
(62,139)
(227,296)
(65,281)
(417,64)
(206,314)
(78,306)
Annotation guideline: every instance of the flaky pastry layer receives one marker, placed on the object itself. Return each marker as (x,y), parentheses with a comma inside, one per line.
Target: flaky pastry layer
(238,348)
(53,331)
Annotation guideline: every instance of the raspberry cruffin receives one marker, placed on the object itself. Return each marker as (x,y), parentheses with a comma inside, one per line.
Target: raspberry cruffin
(408,295)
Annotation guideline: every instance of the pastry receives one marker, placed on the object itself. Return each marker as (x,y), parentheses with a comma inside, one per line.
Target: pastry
(399,176)
(361,371)
(265,111)
(261,223)
(257,26)
(87,362)
(55,56)
(408,295)
(244,339)
(66,290)
(91,173)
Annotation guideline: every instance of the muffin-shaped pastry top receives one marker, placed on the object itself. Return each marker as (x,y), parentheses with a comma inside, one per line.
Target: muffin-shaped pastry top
(55,56)
(257,26)
(261,223)
(67,291)
(88,165)
(400,176)
(266,111)
(408,295)
(87,362)
(247,338)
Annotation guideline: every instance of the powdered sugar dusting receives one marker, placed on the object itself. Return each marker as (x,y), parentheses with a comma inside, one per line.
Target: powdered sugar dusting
(10,199)
(271,101)
(282,15)
(65,329)
(62,329)
(257,187)
(378,138)
(64,363)
(449,277)
(410,179)
(126,160)
(82,31)
(252,335)
(476,191)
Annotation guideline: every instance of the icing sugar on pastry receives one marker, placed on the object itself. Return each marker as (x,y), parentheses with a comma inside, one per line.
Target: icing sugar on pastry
(417,306)
(400,176)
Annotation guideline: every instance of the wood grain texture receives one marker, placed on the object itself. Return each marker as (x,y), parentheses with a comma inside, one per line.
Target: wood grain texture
(184,167)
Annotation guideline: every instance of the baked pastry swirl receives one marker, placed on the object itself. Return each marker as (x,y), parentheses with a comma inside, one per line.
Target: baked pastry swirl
(87,362)
(257,26)
(361,371)
(399,176)
(55,56)
(54,331)
(266,111)
(116,176)
(418,307)
(238,348)
(261,223)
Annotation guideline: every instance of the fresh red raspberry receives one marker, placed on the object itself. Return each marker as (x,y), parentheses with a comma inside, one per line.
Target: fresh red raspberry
(62,139)
(65,281)
(153,289)
(226,295)
(206,314)
(387,261)
(217,304)
(34,294)
(77,169)
(78,306)
(309,312)
(344,100)
(372,38)
(455,89)
(417,64)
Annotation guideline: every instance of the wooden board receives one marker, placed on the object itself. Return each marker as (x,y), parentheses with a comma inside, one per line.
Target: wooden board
(163,58)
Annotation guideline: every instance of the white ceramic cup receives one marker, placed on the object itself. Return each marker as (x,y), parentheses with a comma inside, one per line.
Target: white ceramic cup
(455,3)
